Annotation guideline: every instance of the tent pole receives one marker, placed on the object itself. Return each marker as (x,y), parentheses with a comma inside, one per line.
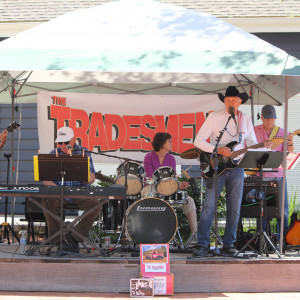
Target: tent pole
(252,104)
(284,163)
(13,95)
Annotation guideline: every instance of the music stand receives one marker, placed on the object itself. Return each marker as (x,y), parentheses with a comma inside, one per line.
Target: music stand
(260,160)
(61,167)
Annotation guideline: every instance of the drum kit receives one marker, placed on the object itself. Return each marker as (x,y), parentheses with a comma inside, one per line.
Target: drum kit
(147,219)
(147,215)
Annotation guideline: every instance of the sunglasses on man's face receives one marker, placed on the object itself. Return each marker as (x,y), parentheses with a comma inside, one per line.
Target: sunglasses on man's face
(66,143)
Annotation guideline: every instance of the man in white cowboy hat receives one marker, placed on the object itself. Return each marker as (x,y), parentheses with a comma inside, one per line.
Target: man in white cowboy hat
(66,140)
(239,129)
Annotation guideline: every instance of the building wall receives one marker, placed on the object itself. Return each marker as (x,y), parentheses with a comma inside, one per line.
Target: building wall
(25,146)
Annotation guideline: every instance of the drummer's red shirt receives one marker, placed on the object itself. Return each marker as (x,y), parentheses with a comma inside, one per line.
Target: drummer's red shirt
(151,162)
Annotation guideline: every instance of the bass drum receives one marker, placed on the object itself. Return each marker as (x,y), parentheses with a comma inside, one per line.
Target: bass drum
(150,221)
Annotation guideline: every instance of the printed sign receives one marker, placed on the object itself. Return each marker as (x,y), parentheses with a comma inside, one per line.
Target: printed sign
(123,125)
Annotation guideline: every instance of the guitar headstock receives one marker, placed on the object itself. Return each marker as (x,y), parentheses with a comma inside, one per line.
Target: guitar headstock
(296,132)
(13,126)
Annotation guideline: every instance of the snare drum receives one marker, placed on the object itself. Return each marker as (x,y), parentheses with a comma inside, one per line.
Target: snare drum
(177,199)
(135,175)
(166,183)
(150,221)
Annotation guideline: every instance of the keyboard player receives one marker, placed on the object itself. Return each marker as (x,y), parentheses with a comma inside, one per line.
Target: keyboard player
(66,140)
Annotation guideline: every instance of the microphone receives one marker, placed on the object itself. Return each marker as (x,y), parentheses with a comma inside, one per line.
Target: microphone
(232,111)
(70,147)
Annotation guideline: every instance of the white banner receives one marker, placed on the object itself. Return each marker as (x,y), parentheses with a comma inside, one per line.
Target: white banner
(123,125)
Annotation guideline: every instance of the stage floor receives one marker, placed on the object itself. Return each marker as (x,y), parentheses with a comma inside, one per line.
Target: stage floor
(91,272)
(12,252)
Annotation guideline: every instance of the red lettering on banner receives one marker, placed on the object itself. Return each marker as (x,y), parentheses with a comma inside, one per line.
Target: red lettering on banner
(60,114)
(185,132)
(97,136)
(200,119)
(148,131)
(172,128)
(80,122)
(117,123)
(59,100)
(161,126)
(132,132)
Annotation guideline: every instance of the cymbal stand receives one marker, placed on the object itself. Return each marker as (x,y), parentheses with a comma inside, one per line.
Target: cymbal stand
(122,233)
(193,235)
(6,226)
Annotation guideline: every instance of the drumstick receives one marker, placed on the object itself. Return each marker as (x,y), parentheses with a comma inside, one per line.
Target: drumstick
(184,171)
(186,174)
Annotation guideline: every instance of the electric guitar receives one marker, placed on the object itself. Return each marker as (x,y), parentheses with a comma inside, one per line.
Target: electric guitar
(292,233)
(225,162)
(13,126)
(278,140)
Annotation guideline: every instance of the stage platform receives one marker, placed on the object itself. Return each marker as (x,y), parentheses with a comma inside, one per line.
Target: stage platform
(90,272)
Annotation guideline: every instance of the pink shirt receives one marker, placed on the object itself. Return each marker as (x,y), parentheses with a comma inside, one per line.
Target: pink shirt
(262,136)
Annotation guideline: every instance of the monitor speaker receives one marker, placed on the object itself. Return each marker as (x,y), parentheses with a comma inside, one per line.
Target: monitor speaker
(32,211)
(250,207)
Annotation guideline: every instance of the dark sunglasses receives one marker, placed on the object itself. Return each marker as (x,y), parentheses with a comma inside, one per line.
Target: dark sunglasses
(66,143)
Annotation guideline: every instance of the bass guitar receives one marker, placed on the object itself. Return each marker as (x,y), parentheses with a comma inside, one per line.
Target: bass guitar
(225,162)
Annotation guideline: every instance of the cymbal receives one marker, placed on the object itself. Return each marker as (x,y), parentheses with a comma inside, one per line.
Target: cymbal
(104,178)
(190,153)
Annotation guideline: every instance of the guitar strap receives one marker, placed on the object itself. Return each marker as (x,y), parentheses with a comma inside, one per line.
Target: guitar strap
(240,117)
(274,132)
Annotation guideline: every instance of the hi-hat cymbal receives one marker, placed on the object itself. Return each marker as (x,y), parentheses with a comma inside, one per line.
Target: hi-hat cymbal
(103,178)
(191,153)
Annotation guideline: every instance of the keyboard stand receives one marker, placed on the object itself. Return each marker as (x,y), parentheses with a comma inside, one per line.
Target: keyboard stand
(67,227)
(62,167)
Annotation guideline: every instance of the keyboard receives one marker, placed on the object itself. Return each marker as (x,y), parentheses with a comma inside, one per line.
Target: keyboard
(114,191)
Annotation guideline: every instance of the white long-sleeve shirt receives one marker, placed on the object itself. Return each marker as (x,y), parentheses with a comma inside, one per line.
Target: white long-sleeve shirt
(215,123)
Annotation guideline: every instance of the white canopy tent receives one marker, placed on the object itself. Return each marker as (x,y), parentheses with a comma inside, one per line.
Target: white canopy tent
(144,47)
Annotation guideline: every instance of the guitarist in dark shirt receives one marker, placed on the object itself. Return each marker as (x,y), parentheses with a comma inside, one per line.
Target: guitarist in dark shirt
(240,130)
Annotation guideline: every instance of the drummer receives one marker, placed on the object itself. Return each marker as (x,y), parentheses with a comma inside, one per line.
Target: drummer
(160,157)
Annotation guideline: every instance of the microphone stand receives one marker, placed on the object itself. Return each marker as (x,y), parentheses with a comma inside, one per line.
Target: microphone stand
(108,155)
(215,160)
(6,226)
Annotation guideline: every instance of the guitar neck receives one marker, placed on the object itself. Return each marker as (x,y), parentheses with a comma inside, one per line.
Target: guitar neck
(244,150)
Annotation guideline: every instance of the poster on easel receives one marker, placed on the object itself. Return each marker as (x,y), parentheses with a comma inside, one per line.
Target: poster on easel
(155,259)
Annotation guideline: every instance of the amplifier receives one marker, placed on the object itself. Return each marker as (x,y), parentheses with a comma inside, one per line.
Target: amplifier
(272,203)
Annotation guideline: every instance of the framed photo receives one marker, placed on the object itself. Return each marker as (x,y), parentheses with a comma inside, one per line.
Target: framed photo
(141,287)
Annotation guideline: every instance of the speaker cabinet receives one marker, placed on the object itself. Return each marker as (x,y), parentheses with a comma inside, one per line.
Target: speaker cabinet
(272,203)
(32,211)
